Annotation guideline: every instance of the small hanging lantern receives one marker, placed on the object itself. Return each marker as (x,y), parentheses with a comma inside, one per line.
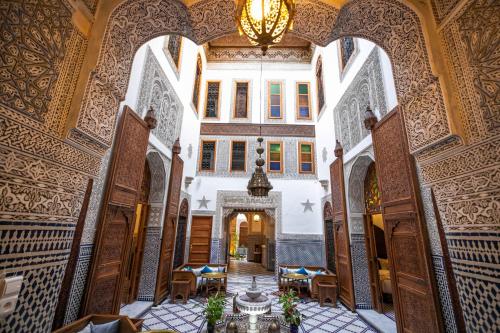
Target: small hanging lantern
(259,185)
(265,22)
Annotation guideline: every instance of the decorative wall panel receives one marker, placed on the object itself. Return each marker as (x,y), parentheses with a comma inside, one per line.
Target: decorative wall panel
(366,89)
(157,92)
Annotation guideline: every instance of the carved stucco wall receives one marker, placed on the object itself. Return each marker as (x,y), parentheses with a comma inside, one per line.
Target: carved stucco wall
(44,205)
(366,89)
(157,92)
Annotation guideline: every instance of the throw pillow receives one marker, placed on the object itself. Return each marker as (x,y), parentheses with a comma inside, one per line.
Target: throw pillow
(206,269)
(197,271)
(111,327)
(302,270)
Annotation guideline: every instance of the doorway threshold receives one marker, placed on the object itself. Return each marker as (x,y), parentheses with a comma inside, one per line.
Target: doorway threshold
(136,309)
(378,321)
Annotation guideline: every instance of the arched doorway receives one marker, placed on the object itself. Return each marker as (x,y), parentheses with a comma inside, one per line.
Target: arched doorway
(329,237)
(376,249)
(180,241)
(133,264)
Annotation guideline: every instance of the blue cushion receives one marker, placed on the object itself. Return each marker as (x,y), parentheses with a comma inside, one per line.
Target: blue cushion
(111,327)
(283,270)
(302,270)
(206,269)
(320,272)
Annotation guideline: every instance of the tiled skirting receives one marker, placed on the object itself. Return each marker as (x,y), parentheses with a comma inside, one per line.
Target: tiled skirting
(361,277)
(79,281)
(149,268)
(300,251)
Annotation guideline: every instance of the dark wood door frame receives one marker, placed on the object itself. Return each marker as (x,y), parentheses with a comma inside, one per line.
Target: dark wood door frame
(169,229)
(406,237)
(114,230)
(343,259)
(69,273)
(372,264)
(328,220)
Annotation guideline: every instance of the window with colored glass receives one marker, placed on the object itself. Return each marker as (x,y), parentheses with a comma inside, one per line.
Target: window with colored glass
(303,105)
(275,100)
(212,105)
(275,157)
(207,156)
(238,151)
(241,100)
(197,83)
(174,48)
(306,159)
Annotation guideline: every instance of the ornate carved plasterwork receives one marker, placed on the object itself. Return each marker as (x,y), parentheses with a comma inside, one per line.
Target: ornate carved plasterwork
(255,130)
(157,92)
(473,39)
(367,88)
(418,90)
(239,54)
(31,57)
(314,21)
(137,21)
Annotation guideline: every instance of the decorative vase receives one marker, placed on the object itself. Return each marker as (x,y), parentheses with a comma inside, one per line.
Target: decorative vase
(294,328)
(210,328)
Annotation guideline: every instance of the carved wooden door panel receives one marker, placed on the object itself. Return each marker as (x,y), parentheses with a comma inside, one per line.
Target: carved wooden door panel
(168,235)
(341,232)
(330,246)
(371,254)
(117,215)
(414,292)
(201,236)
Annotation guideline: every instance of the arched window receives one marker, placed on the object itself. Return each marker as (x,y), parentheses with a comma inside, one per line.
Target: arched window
(347,48)
(197,83)
(174,48)
(319,84)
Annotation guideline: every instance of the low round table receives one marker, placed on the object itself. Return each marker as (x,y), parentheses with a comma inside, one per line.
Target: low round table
(294,277)
(215,276)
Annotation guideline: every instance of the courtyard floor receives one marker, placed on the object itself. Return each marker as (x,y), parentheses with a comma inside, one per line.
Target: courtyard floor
(187,318)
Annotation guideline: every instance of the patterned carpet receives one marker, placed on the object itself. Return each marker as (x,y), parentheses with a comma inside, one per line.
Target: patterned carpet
(187,318)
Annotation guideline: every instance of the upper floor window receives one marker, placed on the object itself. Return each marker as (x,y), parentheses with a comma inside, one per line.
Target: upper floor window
(319,83)
(241,100)
(303,101)
(238,155)
(174,48)
(275,157)
(207,160)
(275,100)
(347,48)
(213,98)
(306,157)
(197,83)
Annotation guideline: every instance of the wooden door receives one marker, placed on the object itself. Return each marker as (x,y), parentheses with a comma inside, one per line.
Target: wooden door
(414,293)
(371,254)
(117,215)
(341,231)
(201,237)
(169,227)
(329,238)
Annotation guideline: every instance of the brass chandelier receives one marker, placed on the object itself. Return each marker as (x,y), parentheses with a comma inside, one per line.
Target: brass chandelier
(265,22)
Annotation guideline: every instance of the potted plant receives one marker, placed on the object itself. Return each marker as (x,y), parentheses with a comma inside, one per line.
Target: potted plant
(292,315)
(214,311)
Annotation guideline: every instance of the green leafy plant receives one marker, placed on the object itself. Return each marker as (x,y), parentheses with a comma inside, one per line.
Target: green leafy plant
(288,303)
(214,308)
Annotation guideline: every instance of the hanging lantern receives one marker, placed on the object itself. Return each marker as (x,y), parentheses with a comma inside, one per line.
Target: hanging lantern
(259,185)
(265,22)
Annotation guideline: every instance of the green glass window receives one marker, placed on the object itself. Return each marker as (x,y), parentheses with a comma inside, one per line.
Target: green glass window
(275,157)
(303,105)
(275,100)
(306,158)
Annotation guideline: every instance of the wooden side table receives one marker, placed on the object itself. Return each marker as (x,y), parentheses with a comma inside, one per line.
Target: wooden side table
(295,281)
(180,288)
(214,279)
(327,291)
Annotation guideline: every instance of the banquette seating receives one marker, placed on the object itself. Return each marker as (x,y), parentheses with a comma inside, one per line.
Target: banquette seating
(315,274)
(192,272)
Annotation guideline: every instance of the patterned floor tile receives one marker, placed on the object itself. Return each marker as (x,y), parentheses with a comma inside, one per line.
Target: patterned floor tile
(187,318)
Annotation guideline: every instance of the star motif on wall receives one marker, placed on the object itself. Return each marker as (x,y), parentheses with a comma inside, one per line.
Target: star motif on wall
(203,202)
(307,205)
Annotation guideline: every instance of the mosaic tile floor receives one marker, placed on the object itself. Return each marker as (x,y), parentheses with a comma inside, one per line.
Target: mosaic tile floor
(187,318)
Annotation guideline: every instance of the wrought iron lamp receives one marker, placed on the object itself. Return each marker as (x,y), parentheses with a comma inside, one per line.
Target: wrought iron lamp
(259,185)
(265,22)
